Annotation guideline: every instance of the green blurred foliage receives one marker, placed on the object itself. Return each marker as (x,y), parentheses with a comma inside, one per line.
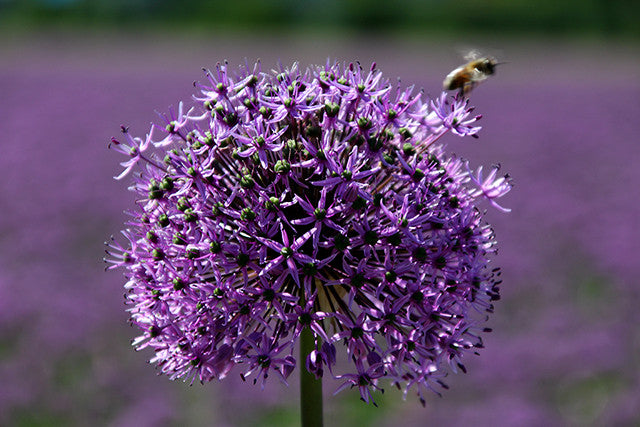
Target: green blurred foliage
(602,17)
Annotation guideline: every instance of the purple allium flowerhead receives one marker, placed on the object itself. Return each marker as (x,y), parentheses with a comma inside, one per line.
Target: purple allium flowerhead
(317,199)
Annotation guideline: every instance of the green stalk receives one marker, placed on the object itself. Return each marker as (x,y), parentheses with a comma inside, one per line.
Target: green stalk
(310,387)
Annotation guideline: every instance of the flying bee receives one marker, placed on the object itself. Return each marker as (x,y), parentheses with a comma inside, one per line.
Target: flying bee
(468,75)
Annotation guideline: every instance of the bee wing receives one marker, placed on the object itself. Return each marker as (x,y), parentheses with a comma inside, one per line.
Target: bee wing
(472,54)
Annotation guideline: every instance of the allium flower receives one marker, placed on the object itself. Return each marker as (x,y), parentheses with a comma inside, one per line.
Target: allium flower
(308,199)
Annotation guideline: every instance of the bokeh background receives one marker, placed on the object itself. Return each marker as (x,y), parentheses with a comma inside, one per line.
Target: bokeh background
(561,117)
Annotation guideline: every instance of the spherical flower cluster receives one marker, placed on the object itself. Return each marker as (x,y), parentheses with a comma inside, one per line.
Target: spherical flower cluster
(308,199)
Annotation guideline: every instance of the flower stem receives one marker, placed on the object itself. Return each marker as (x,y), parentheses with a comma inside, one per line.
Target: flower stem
(310,386)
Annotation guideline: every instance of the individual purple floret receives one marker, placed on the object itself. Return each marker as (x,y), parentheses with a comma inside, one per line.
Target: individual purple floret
(316,199)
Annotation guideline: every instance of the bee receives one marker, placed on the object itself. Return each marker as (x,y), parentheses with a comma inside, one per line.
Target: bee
(467,76)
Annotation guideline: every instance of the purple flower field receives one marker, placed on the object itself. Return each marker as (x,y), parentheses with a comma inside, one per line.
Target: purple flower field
(566,334)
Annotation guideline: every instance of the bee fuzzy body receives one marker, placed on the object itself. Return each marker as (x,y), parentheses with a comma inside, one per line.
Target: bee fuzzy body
(467,76)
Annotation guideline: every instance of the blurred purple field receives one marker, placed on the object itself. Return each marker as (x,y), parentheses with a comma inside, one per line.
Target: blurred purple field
(561,118)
